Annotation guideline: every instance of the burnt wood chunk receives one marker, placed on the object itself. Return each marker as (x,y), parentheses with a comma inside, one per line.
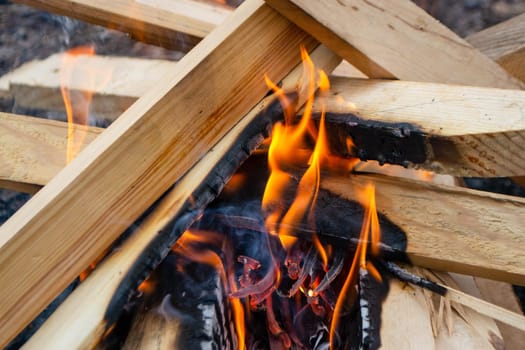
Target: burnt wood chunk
(457,130)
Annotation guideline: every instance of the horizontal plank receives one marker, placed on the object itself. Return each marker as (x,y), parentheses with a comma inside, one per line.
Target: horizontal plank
(468,117)
(77,215)
(467,131)
(503,42)
(115,82)
(175,24)
(33,150)
(471,232)
(386,39)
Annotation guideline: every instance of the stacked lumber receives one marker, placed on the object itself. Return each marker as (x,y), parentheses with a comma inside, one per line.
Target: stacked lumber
(469,123)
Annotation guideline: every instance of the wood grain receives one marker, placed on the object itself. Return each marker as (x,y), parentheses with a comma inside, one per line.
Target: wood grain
(115,82)
(33,150)
(396,36)
(449,228)
(502,295)
(68,328)
(176,24)
(505,44)
(470,131)
(89,203)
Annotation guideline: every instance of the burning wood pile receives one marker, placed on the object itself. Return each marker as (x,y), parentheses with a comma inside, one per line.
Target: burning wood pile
(272,196)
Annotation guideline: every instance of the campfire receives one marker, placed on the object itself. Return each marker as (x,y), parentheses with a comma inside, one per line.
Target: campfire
(258,197)
(268,252)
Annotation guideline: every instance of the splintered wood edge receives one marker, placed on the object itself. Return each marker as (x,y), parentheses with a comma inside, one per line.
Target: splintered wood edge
(485,308)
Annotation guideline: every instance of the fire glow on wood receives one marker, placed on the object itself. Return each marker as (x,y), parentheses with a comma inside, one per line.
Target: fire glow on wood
(297,280)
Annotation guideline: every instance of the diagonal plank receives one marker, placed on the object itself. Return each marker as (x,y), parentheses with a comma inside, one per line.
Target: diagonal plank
(452,129)
(502,43)
(87,205)
(505,44)
(386,39)
(76,323)
(470,232)
(175,24)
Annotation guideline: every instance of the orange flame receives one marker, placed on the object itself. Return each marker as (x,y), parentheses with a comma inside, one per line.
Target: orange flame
(288,146)
(77,102)
(287,139)
(370,233)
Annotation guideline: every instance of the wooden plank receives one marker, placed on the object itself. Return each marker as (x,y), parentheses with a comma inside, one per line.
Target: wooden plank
(467,117)
(470,232)
(120,81)
(89,203)
(33,150)
(505,44)
(175,24)
(466,131)
(70,328)
(502,44)
(502,295)
(387,39)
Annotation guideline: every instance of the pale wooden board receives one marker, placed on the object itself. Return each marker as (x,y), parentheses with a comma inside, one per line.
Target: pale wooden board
(468,117)
(450,228)
(398,36)
(175,24)
(486,126)
(67,224)
(505,44)
(33,150)
(116,82)
(502,39)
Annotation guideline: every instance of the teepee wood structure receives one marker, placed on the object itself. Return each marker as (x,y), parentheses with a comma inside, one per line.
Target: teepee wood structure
(463,94)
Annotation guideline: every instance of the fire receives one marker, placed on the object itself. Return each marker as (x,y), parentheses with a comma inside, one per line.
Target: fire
(300,276)
(370,233)
(77,103)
